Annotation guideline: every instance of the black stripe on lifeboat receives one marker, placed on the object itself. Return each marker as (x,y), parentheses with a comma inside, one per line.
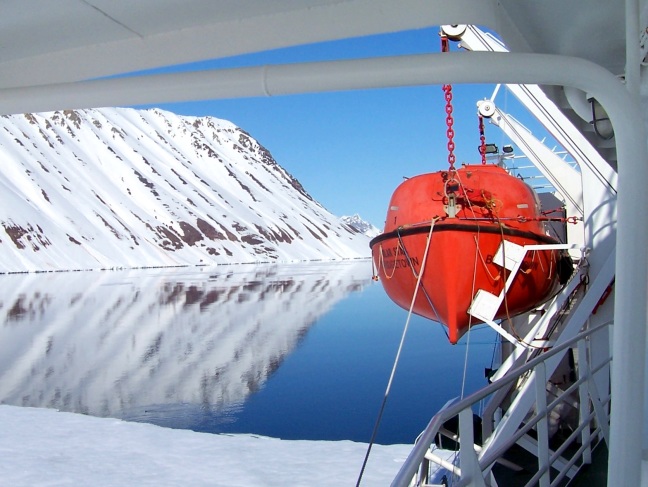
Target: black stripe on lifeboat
(463,227)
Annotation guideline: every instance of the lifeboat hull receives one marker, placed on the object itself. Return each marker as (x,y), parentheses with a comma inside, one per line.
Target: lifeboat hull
(461,249)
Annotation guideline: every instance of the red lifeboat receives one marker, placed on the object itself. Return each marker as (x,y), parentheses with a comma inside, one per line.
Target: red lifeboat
(466,214)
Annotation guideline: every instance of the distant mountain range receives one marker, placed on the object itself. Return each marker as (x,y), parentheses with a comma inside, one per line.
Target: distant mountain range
(117,187)
(360,225)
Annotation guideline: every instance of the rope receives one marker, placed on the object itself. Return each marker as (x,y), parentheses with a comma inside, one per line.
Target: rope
(425,293)
(483,261)
(465,370)
(381,262)
(398,353)
(403,248)
(472,293)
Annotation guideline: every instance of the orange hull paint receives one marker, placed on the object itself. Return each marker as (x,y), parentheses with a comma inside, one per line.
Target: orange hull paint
(494,206)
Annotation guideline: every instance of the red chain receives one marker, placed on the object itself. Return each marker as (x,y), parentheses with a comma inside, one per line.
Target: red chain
(482,139)
(449,122)
(445,47)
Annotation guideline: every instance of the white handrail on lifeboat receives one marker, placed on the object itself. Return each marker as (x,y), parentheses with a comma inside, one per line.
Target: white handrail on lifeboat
(473,468)
(509,255)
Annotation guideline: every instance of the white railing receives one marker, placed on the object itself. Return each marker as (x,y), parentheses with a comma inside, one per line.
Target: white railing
(475,462)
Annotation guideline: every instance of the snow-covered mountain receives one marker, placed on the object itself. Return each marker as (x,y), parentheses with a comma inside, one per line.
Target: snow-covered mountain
(117,187)
(360,225)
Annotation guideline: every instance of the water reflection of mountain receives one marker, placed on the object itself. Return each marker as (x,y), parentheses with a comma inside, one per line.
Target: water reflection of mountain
(102,343)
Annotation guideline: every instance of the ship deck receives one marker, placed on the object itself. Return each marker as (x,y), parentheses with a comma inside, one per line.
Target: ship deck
(593,475)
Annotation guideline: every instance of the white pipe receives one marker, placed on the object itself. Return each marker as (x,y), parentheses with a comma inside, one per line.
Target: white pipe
(633,83)
(633,66)
(272,80)
(629,335)
(619,424)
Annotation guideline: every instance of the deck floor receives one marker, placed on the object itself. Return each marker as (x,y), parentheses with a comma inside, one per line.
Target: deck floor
(594,475)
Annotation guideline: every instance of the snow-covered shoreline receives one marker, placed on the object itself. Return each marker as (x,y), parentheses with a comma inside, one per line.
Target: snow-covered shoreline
(44,447)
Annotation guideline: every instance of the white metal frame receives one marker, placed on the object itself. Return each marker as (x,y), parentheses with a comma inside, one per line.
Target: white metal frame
(475,464)
(484,305)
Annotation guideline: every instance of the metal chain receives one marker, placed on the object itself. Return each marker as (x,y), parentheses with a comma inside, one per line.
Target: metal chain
(449,122)
(445,47)
(482,140)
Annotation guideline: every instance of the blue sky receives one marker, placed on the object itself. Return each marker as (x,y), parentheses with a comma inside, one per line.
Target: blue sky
(351,149)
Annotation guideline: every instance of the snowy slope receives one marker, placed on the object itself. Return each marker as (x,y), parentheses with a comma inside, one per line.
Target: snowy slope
(116,187)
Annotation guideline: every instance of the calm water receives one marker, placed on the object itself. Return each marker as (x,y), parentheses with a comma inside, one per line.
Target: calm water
(298,351)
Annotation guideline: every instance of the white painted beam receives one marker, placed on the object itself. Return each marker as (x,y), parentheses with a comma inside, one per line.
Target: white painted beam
(252,26)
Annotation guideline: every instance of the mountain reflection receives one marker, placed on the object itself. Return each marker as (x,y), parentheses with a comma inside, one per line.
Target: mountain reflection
(109,343)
